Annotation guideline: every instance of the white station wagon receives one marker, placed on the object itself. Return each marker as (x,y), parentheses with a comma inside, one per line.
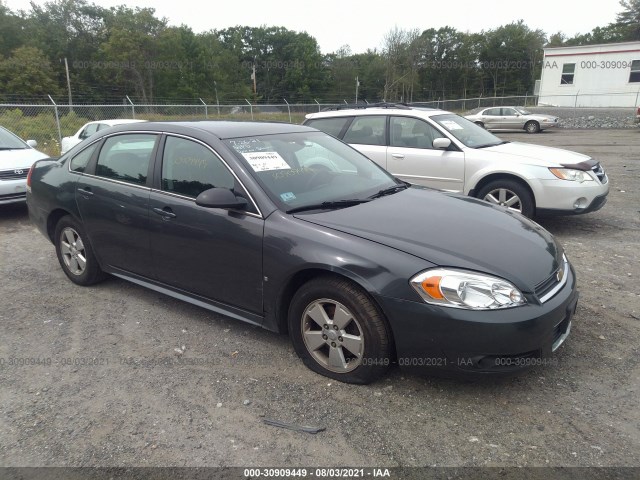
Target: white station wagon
(442,150)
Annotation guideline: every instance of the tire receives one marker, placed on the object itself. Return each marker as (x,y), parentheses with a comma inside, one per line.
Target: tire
(510,194)
(75,254)
(322,343)
(532,126)
(480,124)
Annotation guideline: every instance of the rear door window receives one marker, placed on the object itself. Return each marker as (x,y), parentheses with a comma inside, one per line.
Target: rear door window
(367,130)
(126,157)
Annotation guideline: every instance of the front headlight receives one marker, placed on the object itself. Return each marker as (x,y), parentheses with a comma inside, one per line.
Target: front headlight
(571,175)
(462,289)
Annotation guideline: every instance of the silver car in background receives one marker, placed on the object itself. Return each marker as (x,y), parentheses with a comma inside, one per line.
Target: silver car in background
(513,118)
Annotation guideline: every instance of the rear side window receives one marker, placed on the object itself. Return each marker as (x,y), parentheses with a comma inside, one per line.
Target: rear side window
(332,126)
(79,162)
(126,158)
(493,112)
(367,130)
(189,168)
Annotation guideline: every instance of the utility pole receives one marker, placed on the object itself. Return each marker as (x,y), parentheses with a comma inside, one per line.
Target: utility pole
(215,86)
(253,77)
(357,85)
(66,67)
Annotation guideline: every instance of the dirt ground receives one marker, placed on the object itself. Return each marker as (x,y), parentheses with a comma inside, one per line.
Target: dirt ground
(91,376)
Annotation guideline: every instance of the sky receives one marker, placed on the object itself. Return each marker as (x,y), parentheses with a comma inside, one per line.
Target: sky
(362,24)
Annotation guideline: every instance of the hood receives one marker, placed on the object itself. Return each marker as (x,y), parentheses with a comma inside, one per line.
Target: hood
(22,158)
(452,231)
(537,154)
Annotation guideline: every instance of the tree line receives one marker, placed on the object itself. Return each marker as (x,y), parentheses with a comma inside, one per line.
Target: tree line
(120,51)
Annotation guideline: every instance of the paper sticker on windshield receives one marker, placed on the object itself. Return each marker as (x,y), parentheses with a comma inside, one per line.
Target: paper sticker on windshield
(287,197)
(265,161)
(451,125)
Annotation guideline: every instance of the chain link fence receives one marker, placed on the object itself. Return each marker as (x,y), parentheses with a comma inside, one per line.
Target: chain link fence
(49,123)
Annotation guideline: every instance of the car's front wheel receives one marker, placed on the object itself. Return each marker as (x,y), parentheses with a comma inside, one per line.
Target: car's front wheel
(509,194)
(339,332)
(532,127)
(75,254)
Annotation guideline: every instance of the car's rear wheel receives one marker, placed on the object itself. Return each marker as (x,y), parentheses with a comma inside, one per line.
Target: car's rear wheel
(75,254)
(509,194)
(532,126)
(339,332)
(480,124)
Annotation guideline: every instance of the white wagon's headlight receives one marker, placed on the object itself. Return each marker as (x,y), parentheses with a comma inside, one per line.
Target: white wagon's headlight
(571,175)
(462,289)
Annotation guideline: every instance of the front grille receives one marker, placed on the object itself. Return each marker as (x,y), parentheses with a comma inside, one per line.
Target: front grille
(599,171)
(545,287)
(549,287)
(15,174)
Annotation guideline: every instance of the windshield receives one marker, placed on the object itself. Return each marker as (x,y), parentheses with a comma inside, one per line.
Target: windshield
(8,141)
(523,111)
(466,131)
(310,168)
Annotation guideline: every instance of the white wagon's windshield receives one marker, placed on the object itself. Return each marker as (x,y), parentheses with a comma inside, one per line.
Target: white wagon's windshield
(299,170)
(523,111)
(466,131)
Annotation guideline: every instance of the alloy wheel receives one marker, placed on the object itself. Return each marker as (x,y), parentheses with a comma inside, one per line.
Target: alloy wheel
(506,198)
(73,251)
(332,335)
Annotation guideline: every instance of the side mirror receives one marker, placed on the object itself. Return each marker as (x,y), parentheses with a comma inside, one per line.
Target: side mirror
(32,143)
(220,198)
(441,143)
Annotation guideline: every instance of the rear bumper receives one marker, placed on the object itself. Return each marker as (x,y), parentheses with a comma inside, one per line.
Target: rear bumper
(463,342)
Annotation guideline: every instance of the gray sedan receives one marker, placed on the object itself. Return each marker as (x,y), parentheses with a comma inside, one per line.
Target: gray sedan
(513,118)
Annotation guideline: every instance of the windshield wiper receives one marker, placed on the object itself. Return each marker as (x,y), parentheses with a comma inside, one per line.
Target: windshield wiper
(330,205)
(390,190)
(493,144)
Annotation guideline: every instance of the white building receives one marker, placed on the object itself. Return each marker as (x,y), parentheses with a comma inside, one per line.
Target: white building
(591,76)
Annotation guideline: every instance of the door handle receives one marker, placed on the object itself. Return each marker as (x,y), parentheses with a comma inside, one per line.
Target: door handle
(165,213)
(85,192)
(399,156)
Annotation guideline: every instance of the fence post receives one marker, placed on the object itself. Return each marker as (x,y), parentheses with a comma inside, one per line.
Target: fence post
(250,106)
(575,104)
(525,99)
(479,98)
(55,109)
(206,112)
(133,108)
(319,104)
(288,108)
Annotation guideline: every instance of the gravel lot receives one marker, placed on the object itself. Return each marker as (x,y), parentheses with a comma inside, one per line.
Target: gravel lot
(91,376)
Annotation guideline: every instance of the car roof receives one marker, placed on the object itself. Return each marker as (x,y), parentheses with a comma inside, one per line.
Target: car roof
(223,129)
(416,111)
(116,121)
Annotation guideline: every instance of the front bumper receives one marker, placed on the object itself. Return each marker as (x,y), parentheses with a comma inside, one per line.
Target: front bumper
(455,341)
(564,197)
(13,191)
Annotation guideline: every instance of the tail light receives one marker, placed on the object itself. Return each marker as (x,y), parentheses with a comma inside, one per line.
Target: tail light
(638,111)
(29,177)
